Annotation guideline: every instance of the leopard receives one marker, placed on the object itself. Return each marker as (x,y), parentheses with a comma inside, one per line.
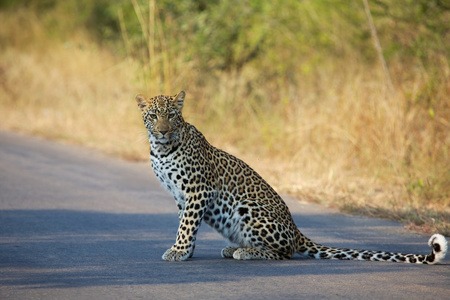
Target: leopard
(212,186)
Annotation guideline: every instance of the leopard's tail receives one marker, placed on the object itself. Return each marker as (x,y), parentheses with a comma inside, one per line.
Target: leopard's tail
(437,242)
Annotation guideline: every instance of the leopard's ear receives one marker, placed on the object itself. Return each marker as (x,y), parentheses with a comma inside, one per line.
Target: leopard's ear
(142,102)
(178,100)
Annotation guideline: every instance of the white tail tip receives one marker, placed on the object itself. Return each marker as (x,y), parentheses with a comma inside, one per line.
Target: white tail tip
(439,245)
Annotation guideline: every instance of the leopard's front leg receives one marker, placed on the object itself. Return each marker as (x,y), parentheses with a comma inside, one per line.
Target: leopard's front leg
(180,211)
(187,230)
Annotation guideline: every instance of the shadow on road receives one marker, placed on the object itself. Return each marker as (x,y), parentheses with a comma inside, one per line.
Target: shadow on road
(66,248)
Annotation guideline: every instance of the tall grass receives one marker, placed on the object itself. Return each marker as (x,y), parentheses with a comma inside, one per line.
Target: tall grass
(326,129)
(71,90)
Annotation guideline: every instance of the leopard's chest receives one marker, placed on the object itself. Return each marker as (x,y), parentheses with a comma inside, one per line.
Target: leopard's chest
(170,174)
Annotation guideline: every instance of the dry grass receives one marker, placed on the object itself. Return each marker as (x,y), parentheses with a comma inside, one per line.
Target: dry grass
(338,138)
(71,90)
(52,96)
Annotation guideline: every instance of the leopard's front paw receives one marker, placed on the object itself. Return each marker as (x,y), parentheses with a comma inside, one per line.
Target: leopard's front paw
(176,255)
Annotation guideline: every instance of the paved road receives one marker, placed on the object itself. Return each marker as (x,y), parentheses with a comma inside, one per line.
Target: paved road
(75,224)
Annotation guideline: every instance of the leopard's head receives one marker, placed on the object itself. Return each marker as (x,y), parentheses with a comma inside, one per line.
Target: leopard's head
(162,116)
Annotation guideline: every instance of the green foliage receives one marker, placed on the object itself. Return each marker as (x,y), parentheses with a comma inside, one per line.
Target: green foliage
(414,28)
(274,36)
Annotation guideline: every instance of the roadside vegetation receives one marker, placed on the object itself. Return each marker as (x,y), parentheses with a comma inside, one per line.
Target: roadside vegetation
(297,89)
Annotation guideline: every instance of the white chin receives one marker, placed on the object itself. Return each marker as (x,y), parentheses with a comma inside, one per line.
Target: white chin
(163,141)
(159,140)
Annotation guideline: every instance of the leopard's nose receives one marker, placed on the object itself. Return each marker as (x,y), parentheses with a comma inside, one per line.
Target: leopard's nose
(163,132)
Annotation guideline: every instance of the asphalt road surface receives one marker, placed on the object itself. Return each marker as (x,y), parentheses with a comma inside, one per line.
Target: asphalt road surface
(76,224)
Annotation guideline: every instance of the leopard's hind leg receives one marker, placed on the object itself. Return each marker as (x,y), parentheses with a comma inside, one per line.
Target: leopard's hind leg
(259,233)
(227,252)
(250,253)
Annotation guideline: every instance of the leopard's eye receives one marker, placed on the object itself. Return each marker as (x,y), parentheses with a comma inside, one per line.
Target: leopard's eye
(153,116)
(171,115)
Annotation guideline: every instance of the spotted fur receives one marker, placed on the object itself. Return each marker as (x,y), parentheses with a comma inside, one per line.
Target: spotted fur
(213,186)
